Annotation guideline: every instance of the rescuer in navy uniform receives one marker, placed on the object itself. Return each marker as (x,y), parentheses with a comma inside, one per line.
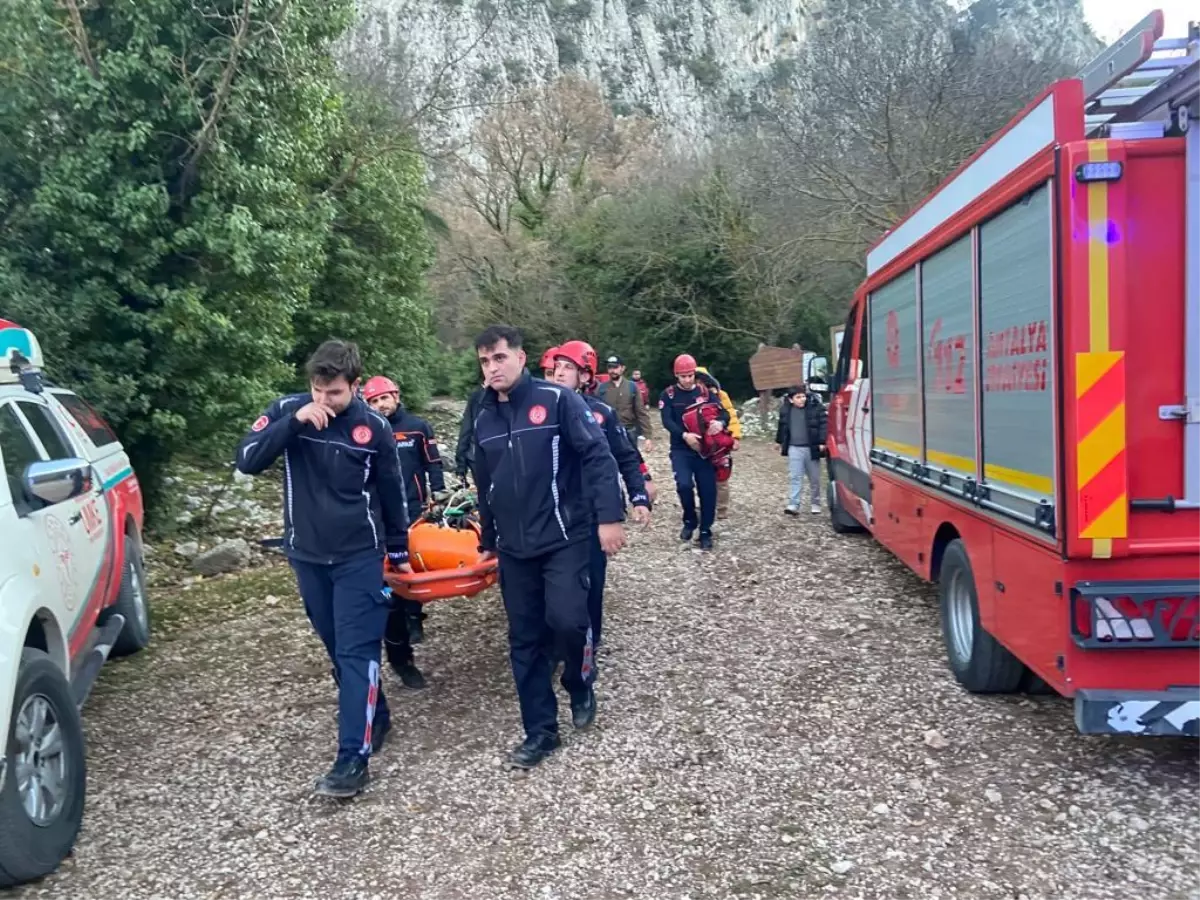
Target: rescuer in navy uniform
(421,462)
(344,506)
(575,367)
(686,461)
(546,482)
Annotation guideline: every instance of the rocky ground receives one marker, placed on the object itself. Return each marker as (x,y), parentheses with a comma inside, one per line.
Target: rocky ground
(776,720)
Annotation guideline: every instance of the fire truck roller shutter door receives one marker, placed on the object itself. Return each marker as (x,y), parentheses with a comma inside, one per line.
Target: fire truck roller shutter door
(947,314)
(1016,295)
(894,356)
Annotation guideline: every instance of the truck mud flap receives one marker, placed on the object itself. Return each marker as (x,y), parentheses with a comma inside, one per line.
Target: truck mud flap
(1150,713)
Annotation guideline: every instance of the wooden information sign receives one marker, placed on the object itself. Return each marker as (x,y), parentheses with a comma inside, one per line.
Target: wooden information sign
(772,368)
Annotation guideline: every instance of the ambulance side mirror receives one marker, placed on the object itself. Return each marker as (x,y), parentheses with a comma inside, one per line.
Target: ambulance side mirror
(58,480)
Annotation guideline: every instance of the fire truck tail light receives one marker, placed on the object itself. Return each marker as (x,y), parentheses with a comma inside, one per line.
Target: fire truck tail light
(1118,626)
(1099,171)
(1114,621)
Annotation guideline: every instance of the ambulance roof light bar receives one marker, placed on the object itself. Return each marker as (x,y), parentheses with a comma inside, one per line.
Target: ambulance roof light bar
(20,357)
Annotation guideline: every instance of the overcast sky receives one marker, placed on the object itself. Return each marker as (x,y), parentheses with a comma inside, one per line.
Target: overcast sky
(1112,18)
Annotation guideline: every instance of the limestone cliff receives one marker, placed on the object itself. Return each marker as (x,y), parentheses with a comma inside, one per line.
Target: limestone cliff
(689,63)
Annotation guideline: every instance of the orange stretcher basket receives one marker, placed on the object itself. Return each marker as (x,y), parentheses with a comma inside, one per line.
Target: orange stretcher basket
(443,548)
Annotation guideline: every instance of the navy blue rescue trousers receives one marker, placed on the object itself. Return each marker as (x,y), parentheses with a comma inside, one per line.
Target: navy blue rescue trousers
(546,599)
(348,607)
(689,466)
(597,575)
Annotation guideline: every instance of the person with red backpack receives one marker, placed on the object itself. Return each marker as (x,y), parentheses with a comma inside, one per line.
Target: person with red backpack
(680,406)
(575,368)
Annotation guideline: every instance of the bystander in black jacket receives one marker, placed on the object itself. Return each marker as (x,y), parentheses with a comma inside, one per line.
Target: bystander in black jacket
(815,421)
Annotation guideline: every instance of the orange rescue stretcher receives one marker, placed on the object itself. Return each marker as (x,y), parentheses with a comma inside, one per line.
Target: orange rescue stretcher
(443,549)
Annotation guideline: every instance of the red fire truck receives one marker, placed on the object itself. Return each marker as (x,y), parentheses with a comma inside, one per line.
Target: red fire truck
(1015,409)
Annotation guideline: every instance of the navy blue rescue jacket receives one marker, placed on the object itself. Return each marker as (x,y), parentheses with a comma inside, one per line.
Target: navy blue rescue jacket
(420,459)
(543,470)
(673,401)
(343,491)
(620,444)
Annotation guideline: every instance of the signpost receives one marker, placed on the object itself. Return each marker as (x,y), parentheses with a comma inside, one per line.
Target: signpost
(772,368)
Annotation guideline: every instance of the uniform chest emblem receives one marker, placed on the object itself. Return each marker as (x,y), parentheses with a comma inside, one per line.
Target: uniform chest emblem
(599,418)
(537,414)
(260,423)
(361,434)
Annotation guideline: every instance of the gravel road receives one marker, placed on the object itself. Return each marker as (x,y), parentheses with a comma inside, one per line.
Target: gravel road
(763,732)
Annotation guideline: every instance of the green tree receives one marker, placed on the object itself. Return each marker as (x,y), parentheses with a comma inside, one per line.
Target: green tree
(190,197)
(372,289)
(156,163)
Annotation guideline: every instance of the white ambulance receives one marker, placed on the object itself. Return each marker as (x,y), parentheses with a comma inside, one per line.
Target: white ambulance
(72,592)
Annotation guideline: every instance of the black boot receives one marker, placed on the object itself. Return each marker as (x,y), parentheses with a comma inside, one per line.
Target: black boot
(686,534)
(583,709)
(345,780)
(706,542)
(411,676)
(534,750)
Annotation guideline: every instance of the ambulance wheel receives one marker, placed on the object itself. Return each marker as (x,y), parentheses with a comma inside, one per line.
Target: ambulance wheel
(44,775)
(842,521)
(132,602)
(979,662)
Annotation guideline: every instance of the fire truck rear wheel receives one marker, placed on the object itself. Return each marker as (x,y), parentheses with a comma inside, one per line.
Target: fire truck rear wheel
(980,663)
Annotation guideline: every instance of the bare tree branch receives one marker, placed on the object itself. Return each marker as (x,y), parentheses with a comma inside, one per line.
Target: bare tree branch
(79,36)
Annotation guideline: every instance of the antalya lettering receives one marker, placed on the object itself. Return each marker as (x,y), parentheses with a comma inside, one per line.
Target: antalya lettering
(1003,373)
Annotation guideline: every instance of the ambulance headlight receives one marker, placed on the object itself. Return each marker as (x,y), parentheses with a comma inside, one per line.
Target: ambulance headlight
(1098,171)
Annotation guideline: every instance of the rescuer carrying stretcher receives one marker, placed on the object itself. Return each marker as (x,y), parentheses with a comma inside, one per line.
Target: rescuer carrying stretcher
(575,367)
(344,506)
(421,462)
(547,483)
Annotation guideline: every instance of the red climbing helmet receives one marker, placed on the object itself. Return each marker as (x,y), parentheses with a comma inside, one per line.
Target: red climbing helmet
(548,358)
(685,364)
(580,353)
(378,386)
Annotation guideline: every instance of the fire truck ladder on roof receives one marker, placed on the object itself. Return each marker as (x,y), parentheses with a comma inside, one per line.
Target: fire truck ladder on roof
(1145,86)
(1134,79)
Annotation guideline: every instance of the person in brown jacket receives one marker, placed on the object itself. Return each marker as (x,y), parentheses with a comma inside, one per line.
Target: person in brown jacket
(623,395)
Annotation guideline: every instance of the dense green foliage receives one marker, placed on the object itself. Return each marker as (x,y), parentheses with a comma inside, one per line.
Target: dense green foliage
(191,197)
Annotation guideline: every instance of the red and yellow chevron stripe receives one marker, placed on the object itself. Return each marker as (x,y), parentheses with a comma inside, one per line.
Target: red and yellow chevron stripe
(1102,506)
(1101,475)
